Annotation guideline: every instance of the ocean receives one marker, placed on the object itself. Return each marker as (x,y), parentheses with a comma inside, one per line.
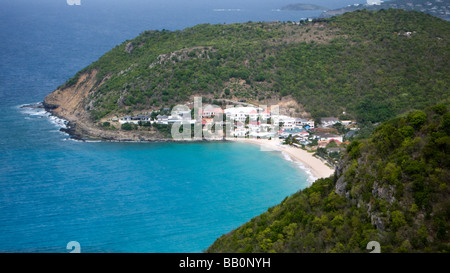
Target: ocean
(118,197)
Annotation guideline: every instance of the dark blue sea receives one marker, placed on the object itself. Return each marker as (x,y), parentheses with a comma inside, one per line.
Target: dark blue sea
(118,197)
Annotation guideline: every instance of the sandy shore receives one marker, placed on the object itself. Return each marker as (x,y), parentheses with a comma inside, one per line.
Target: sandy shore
(316,166)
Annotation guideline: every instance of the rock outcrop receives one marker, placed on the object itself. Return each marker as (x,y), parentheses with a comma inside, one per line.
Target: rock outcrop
(71,103)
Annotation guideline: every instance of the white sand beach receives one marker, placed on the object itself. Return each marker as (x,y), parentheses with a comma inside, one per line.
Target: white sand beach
(316,166)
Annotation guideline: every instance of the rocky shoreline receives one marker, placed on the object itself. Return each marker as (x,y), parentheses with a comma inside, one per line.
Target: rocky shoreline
(70,104)
(84,133)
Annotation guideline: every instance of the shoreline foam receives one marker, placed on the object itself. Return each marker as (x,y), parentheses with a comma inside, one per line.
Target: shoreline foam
(36,110)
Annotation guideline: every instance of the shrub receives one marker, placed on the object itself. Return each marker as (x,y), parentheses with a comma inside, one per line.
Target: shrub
(398,220)
(407,131)
(127,126)
(417,119)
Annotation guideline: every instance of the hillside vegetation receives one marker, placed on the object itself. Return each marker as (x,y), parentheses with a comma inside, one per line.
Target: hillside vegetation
(372,65)
(392,188)
(438,8)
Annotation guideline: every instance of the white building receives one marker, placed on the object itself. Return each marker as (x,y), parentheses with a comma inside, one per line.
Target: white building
(327,137)
(264,115)
(346,122)
(210,111)
(239,132)
(290,122)
(330,121)
(162,119)
(265,135)
(135,119)
(241,113)
(306,122)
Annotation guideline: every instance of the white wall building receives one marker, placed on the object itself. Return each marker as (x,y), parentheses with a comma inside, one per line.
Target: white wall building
(306,122)
(330,121)
(210,111)
(241,113)
(135,119)
(327,137)
(240,132)
(290,122)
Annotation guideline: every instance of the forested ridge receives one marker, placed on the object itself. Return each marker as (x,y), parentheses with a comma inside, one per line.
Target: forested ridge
(438,8)
(372,65)
(392,188)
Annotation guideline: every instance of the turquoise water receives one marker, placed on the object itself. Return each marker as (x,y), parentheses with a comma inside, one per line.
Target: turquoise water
(131,197)
(117,197)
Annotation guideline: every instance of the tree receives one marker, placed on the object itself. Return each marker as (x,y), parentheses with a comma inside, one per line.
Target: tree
(153,115)
(337,221)
(127,126)
(417,119)
(332,144)
(397,220)
(314,142)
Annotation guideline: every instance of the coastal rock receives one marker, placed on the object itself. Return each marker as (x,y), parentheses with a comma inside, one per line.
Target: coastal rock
(129,48)
(340,186)
(374,218)
(71,104)
(377,222)
(386,193)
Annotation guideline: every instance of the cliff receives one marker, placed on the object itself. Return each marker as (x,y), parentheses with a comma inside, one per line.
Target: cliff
(71,103)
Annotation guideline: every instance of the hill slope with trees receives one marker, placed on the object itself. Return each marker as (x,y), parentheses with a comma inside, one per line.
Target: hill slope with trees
(392,188)
(372,65)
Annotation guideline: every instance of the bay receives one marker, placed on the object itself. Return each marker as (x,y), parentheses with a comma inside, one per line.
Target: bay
(118,197)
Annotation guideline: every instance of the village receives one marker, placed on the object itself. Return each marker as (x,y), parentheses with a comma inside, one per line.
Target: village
(326,137)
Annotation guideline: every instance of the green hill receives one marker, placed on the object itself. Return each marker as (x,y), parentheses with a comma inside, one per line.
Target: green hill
(372,65)
(438,8)
(392,188)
